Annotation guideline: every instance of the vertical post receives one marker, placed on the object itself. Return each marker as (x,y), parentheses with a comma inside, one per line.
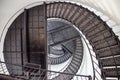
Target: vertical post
(26,37)
(45,28)
(21,49)
(90,78)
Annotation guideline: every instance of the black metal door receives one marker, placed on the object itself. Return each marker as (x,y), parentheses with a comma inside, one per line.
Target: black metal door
(25,41)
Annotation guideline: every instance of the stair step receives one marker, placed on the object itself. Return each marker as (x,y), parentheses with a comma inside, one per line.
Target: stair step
(86,21)
(79,45)
(99,38)
(68,70)
(76,62)
(106,33)
(75,65)
(78,51)
(72,69)
(55,9)
(51,10)
(92,25)
(110,61)
(97,28)
(78,41)
(58,9)
(75,59)
(48,10)
(77,56)
(66,10)
(112,72)
(74,11)
(105,39)
(82,18)
(63,10)
(97,31)
(105,52)
(69,10)
(105,43)
(78,14)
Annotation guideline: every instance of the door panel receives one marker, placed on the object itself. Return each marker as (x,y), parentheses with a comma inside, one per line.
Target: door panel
(25,41)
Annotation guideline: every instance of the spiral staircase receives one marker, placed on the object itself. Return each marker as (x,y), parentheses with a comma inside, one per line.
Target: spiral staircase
(103,40)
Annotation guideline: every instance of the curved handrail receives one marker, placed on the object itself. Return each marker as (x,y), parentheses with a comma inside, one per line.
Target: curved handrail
(91,56)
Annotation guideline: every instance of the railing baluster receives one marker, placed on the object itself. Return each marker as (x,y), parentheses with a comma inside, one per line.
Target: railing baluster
(36,73)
